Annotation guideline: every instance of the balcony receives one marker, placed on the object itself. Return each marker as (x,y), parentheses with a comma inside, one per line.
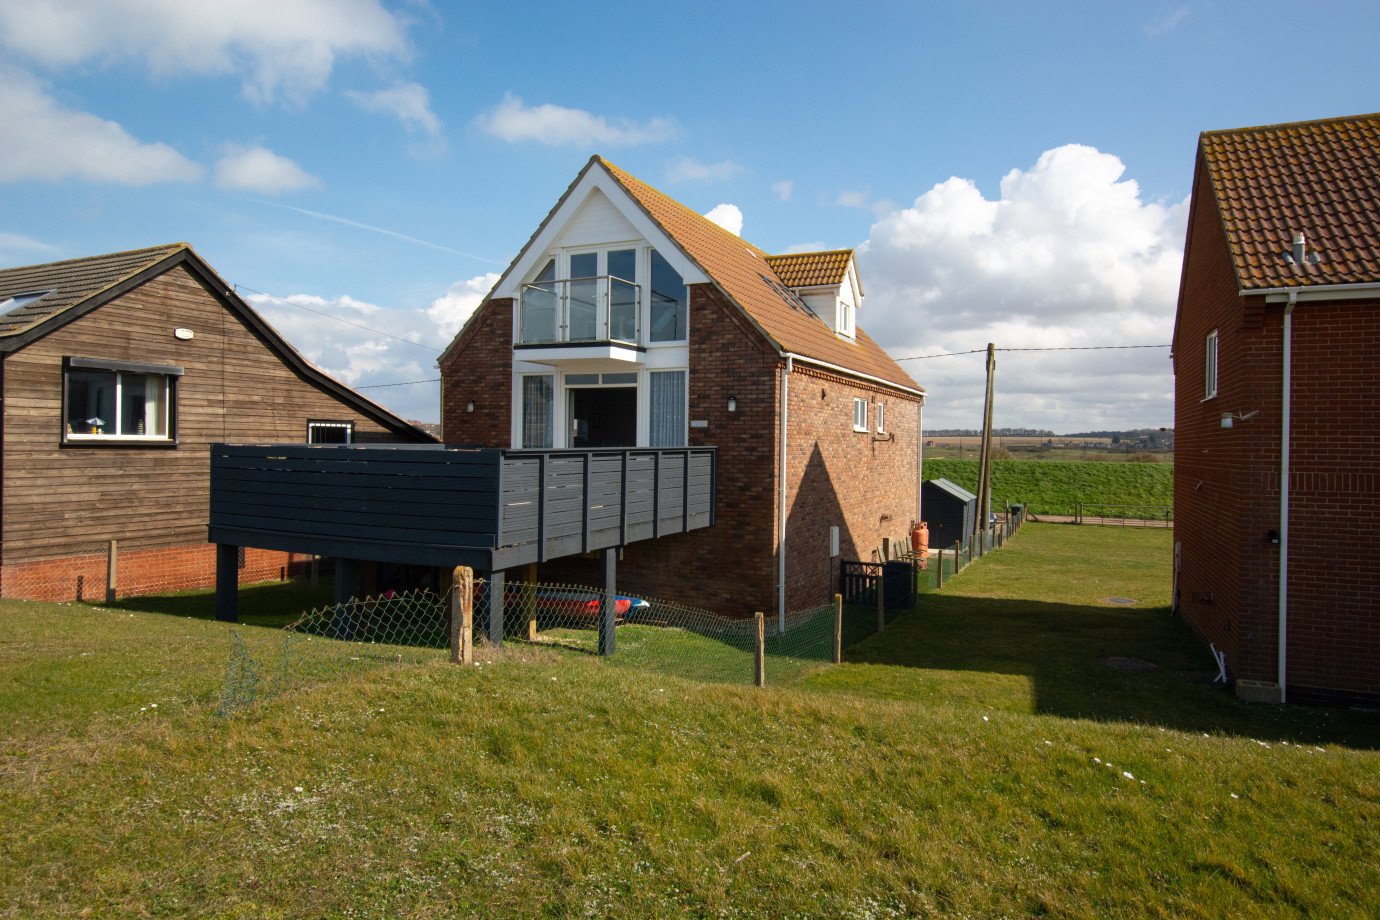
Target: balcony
(603,309)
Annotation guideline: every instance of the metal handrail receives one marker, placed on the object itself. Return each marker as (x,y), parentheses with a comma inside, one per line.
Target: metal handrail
(559,292)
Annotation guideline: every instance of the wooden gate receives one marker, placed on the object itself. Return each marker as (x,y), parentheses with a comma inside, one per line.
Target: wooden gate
(858,583)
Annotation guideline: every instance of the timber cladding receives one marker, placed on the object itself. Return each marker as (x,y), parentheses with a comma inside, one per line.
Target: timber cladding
(66,501)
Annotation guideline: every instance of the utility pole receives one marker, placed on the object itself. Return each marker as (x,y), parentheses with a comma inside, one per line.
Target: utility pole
(984,508)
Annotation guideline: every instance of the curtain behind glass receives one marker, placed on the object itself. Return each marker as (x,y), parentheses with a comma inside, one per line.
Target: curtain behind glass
(668,408)
(536,411)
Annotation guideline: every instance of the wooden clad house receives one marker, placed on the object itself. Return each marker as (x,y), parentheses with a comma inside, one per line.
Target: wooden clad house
(629,320)
(117,373)
(1277,414)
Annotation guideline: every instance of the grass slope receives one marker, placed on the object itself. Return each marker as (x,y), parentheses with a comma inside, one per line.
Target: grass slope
(976,759)
(1056,487)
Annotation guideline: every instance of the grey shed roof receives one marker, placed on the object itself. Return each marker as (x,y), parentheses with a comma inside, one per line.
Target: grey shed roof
(956,491)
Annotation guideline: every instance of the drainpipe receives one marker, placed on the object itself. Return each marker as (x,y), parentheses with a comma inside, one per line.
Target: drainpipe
(1282,671)
(781,538)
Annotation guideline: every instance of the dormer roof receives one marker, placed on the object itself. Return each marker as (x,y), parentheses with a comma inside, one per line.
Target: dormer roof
(812,269)
(1320,179)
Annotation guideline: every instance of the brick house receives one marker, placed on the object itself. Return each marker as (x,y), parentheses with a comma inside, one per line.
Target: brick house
(117,373)
(630,320)
(1276,362)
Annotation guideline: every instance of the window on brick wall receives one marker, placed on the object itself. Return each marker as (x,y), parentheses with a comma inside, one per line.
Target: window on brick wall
(859,414)
(108,401)
(881,418)
(1210,371)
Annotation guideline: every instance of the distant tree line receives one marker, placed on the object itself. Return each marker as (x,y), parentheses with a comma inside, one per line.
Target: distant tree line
(997,432)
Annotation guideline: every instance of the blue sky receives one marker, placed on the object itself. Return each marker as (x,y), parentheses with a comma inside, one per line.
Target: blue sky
(1009,172)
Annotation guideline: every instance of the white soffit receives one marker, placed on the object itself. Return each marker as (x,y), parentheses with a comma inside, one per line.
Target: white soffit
(596,178)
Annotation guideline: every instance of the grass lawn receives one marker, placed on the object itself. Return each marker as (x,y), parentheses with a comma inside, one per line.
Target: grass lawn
(1056,487)
(977,759)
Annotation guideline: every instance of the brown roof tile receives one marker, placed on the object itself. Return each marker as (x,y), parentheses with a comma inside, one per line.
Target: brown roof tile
(745,273)
(71,282)
(811,269)
(1318,178)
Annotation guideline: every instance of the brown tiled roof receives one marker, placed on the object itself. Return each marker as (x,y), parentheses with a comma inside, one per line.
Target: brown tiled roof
(1318,178)
(745,274)
(811,269)
(71,282)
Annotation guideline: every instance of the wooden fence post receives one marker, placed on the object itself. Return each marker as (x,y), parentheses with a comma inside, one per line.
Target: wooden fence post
(111,581)
(838,629)
(529,599)
(939,572)
(462,615)
(760,664)
(315,574)
(881,600)
(886,549)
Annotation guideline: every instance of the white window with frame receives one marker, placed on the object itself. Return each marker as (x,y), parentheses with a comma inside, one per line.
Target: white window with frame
(859,414)
(538,411)
(881,417)
(1210,371)
(847,319)
(117,401)
(326,432)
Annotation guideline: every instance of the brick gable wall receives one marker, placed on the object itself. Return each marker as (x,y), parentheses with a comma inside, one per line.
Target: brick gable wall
(1226,481)
(480,368)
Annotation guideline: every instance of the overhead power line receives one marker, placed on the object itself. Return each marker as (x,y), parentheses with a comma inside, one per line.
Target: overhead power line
(979,351)
(338,319)
(405,383)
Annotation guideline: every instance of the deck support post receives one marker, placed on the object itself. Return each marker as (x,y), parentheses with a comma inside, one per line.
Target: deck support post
(608,570)
(346,586)
(227,583)
(493,595)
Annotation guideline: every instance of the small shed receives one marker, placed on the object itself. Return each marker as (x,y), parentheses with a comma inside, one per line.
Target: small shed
(948,510)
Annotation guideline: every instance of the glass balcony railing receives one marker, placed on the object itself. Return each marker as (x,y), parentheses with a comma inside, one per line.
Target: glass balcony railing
(601,309)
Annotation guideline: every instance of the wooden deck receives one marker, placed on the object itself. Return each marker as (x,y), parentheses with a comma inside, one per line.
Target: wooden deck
(443,505)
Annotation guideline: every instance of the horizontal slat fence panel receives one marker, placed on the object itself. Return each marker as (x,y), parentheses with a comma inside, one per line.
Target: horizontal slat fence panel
(511,506)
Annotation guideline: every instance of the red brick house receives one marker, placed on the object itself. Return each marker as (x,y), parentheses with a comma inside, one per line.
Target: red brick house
(117,373)
(1277,412)
(630,320)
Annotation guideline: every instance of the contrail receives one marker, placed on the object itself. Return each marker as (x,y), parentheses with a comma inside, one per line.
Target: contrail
(393,233)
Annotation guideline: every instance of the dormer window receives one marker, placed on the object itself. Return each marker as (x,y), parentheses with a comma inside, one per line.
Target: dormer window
(845,316)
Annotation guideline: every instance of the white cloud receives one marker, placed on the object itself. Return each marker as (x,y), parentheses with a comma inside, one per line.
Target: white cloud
(557,126)
(410,103)
(258,169)
(1167,21)
(690,169)
(450,310)
(727,216)
(359,353)
(47,142)
(783,189)
(1068,255)
(17,249)
(286,47)
(803,247)
(853,199)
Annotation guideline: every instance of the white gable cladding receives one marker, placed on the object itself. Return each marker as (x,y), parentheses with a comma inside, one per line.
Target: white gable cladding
(597,222)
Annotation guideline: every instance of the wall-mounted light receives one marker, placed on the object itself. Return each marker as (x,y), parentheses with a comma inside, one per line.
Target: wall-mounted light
(469,406)
(733,404)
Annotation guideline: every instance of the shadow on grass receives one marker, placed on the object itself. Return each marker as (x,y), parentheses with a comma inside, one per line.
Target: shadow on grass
(272,604)
(1061,650)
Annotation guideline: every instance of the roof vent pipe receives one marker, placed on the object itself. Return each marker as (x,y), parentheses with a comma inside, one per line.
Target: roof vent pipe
(1300,246)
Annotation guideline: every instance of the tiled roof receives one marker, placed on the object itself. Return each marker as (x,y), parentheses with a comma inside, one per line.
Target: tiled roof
(745,274)
(71,282)
(1318,178)
(811,269)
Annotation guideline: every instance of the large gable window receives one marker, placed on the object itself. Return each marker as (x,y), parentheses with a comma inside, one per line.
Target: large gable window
(669,302)
(112,401)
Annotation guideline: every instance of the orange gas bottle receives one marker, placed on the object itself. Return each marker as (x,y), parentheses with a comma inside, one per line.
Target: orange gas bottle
(920,543)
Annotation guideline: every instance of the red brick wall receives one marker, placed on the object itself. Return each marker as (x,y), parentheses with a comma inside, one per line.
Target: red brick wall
(145,571)
(1226,481)
(480,368)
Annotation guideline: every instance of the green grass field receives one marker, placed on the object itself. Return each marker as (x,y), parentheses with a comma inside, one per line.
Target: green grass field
(977,759)
(1056,487)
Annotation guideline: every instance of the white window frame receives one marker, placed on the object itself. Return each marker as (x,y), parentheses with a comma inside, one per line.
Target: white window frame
(846,326)
(881,417)
(323,424)
(859,413)
(1211,365)
(110,433)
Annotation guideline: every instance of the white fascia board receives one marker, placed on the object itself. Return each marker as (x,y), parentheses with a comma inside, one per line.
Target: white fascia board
(596,177)
(1360,291)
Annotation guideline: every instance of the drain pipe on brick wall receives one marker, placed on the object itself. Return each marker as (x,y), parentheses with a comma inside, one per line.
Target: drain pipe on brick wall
(1283,667)
(781,538)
